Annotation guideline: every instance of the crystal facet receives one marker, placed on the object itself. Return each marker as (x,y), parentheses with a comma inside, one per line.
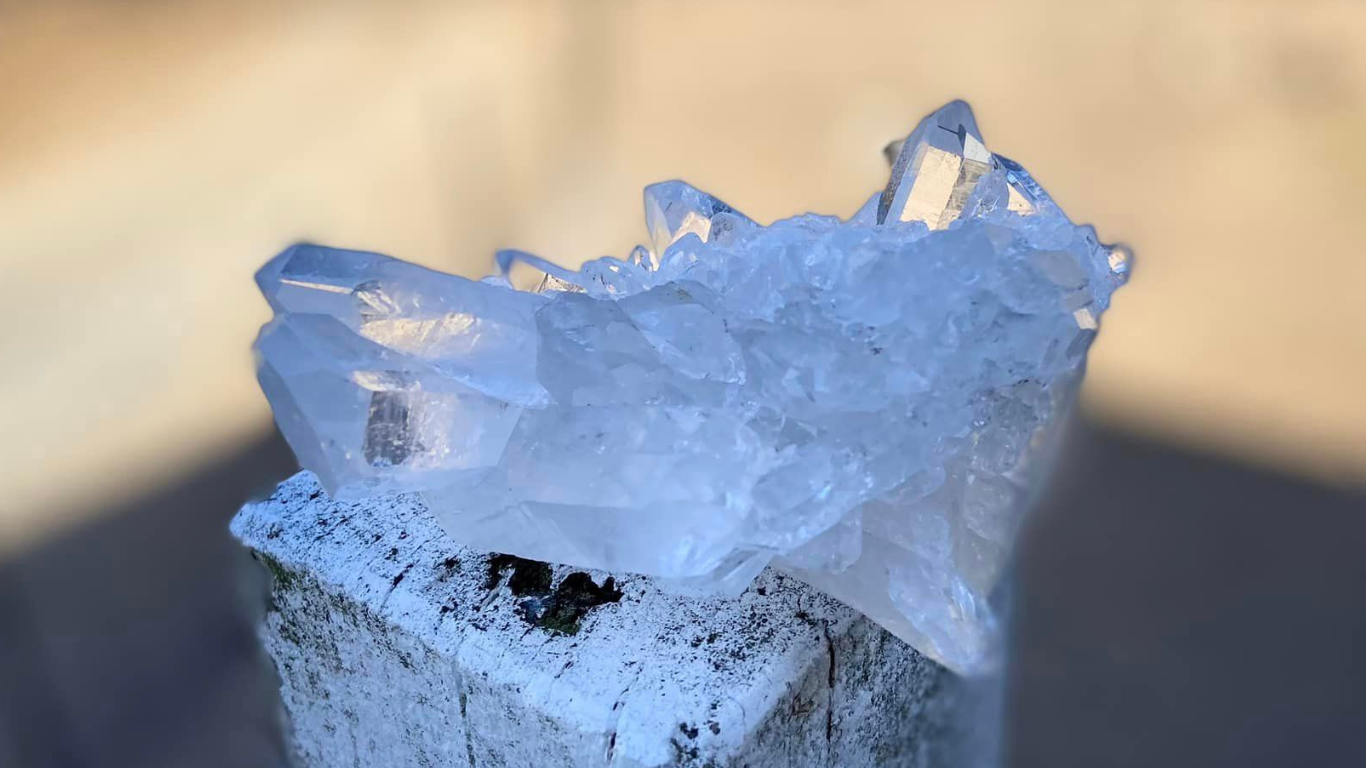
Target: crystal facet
(676,208)
(859,403)
(936,169)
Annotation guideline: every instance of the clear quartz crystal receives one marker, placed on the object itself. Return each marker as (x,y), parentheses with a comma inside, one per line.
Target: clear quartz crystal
(858,403)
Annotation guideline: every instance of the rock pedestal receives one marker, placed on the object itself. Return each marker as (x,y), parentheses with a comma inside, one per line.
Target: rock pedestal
(396,647)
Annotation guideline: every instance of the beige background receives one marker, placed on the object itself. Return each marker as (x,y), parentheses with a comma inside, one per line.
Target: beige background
(153,154)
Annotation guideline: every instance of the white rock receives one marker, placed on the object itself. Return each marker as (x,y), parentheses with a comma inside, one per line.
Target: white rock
(393,651)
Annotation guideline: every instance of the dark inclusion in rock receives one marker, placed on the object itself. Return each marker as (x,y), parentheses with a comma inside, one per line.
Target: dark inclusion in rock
(557,610)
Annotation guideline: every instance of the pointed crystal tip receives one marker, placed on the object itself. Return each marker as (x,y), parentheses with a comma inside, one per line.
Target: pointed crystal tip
(1121,259)
(676,208)
(936,169)
(554,277)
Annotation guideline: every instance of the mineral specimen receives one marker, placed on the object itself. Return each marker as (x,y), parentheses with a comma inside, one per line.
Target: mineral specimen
(859,403)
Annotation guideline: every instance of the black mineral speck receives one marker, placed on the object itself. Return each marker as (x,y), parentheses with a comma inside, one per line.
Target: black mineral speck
(558,610)
(573,599)
(529,577)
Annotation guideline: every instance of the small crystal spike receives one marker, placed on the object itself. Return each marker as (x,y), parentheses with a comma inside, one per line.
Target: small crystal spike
(676,208)
(936,169)
(552,283)
(641,257)
(556,278)
(1121,260)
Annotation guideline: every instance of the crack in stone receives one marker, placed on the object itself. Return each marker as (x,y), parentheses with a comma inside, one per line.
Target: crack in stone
(830,693)
(465,717)
(393,585)
(376,554)
(617,708)
(331,529)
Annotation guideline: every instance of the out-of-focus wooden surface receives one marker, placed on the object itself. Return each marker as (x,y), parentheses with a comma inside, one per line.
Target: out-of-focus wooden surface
(153,154)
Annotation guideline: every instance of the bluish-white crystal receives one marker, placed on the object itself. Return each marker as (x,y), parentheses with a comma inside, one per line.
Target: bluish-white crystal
(859,403)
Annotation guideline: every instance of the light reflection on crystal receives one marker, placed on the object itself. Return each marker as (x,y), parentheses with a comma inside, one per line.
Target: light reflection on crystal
(1121,259)
(860,404)
(936,169)
(675,208)
(553,283)
(1085,319)
(316,286)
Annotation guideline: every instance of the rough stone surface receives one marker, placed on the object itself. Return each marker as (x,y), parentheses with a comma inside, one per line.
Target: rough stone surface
(397,647)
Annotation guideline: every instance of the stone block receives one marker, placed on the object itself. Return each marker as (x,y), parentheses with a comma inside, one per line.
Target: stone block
(397,647)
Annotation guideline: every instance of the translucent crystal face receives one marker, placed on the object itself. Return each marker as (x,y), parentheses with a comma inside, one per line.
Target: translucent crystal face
(859,403)
(674,209)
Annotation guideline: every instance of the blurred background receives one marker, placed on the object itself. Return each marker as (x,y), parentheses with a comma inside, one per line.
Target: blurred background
(153,154)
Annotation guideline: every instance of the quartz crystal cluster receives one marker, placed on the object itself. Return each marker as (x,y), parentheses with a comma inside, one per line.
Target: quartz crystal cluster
(858,402)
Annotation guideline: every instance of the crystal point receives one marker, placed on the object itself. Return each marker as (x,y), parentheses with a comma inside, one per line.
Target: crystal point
(676,208)
(553,276)
(860,404)
(936,169)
